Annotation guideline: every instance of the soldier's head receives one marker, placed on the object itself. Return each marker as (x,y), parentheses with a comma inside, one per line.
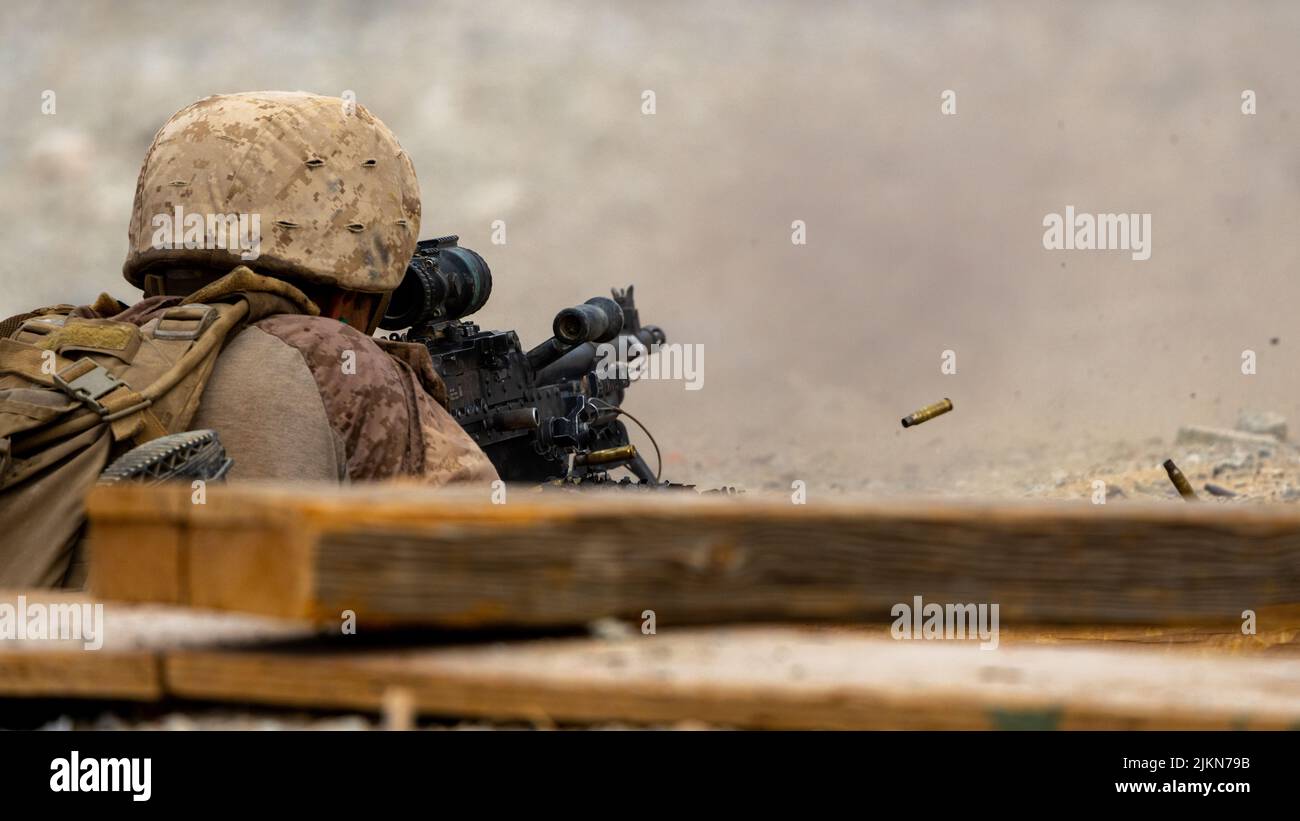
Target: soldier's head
(314,190)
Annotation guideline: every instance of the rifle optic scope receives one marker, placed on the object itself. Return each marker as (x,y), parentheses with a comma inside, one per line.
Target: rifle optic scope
(443,282)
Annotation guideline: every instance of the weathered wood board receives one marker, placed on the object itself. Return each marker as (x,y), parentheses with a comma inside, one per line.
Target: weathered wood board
(765,677)
(749,676)
(404,555)
(117,652)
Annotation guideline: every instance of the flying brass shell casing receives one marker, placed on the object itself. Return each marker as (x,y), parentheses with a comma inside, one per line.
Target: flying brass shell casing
(1180,481)
(927,413)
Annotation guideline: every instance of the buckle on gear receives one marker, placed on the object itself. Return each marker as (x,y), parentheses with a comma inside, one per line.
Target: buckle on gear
(96,383)
(184,322)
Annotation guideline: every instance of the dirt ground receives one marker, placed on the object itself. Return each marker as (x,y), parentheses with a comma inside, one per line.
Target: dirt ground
(1241,471)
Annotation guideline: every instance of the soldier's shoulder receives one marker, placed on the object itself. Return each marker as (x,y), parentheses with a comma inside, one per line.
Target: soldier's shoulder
(314,330)
(325,342)
(346,363)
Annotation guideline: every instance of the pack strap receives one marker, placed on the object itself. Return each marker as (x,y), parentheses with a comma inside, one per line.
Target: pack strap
(108,399)
(185,323)
(228,317)
(117,403)
(244,283)
(89,382)
(30,362)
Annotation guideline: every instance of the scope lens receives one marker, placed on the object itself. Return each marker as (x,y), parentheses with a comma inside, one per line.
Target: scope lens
(416,299)
(441,284)
(469,280)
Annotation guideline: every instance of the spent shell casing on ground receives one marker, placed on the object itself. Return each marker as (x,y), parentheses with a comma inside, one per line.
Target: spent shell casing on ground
(927,413)
(1180,481)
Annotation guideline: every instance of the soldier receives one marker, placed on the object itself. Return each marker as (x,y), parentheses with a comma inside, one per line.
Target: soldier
(265,339)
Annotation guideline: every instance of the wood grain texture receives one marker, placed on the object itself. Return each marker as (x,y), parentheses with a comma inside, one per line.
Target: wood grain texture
(144,560)
(402,555)
(755,676)
(74,673)
(128,665)
(776,678)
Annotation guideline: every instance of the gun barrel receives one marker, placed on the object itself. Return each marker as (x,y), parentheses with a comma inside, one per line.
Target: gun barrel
(546,353)
(599,319)
(517,419)
(650,335)
(572,364)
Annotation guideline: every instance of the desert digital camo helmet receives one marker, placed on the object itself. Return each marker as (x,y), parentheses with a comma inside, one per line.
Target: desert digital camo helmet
(335,196)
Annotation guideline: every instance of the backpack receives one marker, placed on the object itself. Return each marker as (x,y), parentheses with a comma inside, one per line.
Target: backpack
(77,392)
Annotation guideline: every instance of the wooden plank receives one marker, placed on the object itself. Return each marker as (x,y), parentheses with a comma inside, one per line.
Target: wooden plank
(780,678)
(833,677)
(141,563)
(145,561)
(1283,636)
(69,673)
(40,661)
(405,555)
(127,663)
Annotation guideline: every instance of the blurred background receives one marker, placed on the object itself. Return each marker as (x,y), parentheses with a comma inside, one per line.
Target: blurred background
(924,231)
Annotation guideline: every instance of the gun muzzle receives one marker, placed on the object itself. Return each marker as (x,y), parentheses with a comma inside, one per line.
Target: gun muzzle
(599,319)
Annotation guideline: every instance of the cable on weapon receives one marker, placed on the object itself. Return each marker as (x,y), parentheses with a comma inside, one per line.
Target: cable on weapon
(659,459)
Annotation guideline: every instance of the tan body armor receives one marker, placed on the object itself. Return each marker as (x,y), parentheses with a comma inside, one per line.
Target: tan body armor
(76,392)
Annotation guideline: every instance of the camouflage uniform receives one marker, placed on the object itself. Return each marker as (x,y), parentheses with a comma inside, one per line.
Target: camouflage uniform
(245,339)
(287,408)
(339,207)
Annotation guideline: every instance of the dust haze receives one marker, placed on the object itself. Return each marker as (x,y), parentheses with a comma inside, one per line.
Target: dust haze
(924,231)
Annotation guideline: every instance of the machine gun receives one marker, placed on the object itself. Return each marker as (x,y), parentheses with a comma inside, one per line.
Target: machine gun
(545,414)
